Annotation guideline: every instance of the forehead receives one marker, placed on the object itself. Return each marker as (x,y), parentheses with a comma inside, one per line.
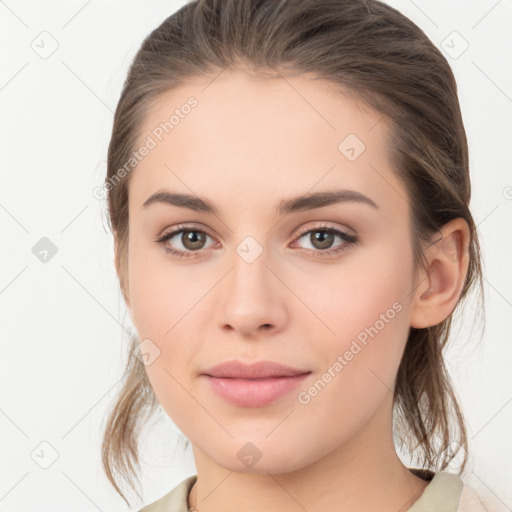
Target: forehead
(266,138)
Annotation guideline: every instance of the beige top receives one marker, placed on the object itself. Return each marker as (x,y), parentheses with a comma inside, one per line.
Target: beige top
(445,493)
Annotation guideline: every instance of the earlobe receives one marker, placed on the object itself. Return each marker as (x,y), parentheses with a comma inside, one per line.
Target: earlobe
(441,284)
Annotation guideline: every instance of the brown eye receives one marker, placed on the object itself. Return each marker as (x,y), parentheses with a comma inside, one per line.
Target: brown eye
(184,241)
(321,238)
(193,239)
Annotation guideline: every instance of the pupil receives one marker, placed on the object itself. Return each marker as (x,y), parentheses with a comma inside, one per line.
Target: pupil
(324,238)
(193,239)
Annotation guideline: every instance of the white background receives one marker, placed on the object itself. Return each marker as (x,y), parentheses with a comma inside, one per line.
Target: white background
(63,344)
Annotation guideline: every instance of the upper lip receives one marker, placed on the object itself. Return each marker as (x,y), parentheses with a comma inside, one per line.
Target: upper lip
(261,369)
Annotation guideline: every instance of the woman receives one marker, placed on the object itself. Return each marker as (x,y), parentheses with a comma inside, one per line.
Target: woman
(289,196)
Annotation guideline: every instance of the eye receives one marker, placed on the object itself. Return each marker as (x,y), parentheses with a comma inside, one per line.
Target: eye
(322,238)
(191,238)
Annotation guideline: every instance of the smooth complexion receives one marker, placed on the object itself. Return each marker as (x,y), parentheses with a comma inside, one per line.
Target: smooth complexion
(248,146)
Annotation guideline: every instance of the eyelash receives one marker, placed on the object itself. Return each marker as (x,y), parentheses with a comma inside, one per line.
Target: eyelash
(349,240)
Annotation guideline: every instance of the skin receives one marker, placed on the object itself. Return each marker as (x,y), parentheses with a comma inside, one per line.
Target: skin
(248,145)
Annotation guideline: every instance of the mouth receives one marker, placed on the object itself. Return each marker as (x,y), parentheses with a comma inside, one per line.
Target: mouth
(254,385)
(254,392)
(235,369)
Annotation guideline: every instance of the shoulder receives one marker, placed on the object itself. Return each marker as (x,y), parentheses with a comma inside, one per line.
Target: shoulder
(446,492)
(469,501)
(174,501)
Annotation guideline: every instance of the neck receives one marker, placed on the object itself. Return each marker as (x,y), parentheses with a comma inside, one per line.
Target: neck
(363,474)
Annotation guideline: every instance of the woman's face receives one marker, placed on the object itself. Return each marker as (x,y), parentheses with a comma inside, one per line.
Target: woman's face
(261,278)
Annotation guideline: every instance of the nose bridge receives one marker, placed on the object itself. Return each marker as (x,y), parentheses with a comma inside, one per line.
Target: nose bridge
(251,294)
(249,278)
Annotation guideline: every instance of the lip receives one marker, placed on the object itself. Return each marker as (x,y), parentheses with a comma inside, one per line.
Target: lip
(235,369)
(254,385)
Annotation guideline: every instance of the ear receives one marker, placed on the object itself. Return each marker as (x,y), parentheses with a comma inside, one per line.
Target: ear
(121,272)
(440,286)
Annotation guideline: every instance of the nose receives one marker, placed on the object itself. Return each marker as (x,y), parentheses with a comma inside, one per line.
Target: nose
(252,298)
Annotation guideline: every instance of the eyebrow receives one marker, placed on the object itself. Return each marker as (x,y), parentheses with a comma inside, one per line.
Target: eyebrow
(300,203)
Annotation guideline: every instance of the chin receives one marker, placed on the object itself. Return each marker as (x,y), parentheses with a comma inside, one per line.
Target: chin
(264,456)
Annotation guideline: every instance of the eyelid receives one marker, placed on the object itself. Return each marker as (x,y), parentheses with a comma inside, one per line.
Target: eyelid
(348,235)
(182,227)
(301,231)
(326,226)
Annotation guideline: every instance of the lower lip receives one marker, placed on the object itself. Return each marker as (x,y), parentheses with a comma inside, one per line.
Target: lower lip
(254,392)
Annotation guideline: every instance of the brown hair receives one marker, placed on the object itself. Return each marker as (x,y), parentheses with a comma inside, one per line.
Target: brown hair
(376,54)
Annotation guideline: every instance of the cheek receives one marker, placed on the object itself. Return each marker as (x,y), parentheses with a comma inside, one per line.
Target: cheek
(160,308)
(361,291)
(157,296)
(165,300)
(357,365)
(364,313)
